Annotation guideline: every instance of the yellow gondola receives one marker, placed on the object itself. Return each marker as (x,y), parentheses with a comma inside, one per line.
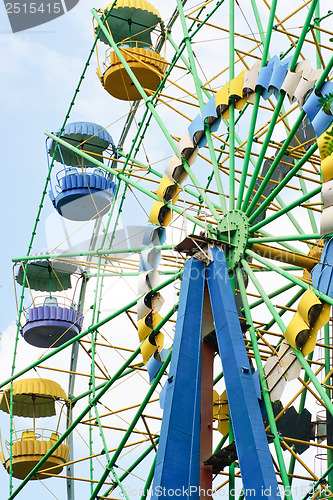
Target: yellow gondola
(34,398)
(131,23)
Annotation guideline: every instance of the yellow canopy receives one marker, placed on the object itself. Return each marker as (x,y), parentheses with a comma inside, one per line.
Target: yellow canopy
(168,190)
(327,168)
(147,324)
(221,412)
(148,348)
(236,85)
(160,214)
(323,141)
(222,98)
(311,315)
(33,392)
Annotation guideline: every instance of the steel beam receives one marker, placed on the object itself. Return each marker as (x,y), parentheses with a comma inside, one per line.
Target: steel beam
(177,461)
(255,461)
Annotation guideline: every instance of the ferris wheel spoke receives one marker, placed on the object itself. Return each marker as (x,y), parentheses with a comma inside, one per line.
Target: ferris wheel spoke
(267,238)
(263,294)
(283,238)
(288,276)
(198,83)
(293,219)
(289,304)
(115,456)
(247,205)
(282,151)
(251,134)
(319,388)
(262,153)
(132,467)
(309,210)
(231,108)
(281,185)
(287,208)
(272,295)
(263,383)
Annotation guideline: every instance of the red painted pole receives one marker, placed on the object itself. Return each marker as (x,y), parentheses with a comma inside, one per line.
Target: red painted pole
(206,428)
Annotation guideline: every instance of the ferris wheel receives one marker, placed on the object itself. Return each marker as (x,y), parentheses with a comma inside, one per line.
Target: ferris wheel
(188,351)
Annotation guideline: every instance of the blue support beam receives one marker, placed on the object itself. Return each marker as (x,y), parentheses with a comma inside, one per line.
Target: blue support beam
(258,476)
(177,461)
(178,457)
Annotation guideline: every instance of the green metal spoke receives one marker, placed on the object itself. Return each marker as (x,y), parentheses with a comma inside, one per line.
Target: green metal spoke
(291,237)
(93,253)
(262,378)
(132,466)
(309,211)
(128,274)
(286,209)
(111,463)
(279,240)
(292,218)
(319,388)
(254,118)
(290,303)
(272,295)
(317,483)
(149,480)
(123,492)
(281,184)
(288,276)
(286,268)
(231,107)
(283,149)
(197,84)
(274,119)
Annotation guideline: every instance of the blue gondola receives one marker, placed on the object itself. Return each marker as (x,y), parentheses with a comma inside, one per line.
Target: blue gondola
(51,325)
(83,191)
(51,321)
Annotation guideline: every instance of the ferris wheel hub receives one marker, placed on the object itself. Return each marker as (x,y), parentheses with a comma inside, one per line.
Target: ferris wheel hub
(234,228)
